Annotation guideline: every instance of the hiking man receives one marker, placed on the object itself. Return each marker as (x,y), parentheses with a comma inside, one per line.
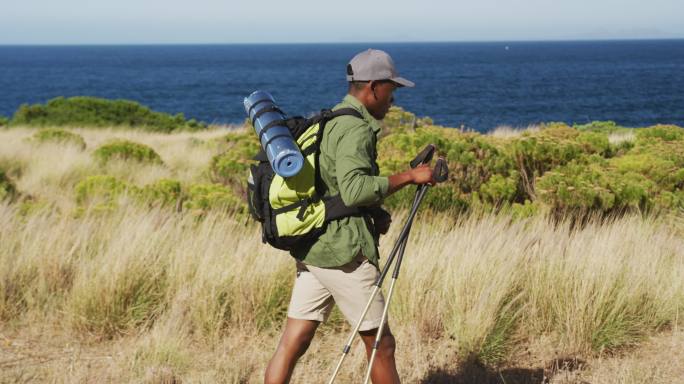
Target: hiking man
(342,264)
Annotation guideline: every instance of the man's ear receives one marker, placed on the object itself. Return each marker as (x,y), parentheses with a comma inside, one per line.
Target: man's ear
(373,84)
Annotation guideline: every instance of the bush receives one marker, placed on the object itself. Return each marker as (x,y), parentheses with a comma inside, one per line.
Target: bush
(536,153)
(97,112)
(230,167)
(588,173)
(593,142)
(53,135)
(398,120)
(638,183)
(31,206)
(205,197)
(4,121)
(126,150)
(161,193)
(102,191)
(604,127)
(7,189)
(660,132)
(577,186)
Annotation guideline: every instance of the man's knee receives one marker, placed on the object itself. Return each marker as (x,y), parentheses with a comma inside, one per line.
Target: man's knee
(387,344)
(298,341)
(302,343)
(387,347)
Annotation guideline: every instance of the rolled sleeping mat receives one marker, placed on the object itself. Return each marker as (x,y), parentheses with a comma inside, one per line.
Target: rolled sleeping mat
(276,140)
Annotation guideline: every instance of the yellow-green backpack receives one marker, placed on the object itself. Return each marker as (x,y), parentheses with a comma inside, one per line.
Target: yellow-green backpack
(293,210)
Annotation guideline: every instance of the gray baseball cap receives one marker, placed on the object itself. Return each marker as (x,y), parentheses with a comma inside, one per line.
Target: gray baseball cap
(374,64)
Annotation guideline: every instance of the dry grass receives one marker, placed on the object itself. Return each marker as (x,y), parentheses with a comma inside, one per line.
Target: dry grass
(619,137)
(508,132)
(150,295)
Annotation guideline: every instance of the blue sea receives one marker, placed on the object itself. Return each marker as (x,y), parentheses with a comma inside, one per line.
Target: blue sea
(477,85)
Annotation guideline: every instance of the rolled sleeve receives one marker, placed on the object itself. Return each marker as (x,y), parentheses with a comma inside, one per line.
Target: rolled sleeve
(354,171)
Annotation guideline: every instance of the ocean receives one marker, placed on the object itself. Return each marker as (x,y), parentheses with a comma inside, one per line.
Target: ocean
(476,85)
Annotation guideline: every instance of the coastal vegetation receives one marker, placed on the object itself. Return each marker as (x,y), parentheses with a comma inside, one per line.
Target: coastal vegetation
(128,256)
(82,111)
(55,135)
(126,150)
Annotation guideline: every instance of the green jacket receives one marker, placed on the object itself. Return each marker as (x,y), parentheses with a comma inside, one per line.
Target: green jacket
(348,166)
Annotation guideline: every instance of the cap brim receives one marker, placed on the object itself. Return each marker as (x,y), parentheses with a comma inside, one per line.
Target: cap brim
(403,82)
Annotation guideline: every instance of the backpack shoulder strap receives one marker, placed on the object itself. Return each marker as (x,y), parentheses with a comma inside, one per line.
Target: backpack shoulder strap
(325,116)
(345,112)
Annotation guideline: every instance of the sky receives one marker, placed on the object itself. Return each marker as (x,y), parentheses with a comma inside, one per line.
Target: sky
(309,21)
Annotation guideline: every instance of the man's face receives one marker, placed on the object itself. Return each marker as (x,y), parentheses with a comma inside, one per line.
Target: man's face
(382,99)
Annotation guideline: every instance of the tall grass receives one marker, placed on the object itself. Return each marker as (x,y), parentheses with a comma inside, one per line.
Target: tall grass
(487,283)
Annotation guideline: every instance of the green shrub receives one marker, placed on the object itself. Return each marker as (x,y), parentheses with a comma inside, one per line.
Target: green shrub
(641,178)
(97,112)
(230,167)
(54,135)
(622,184)
(126,150)
(102,191)
(576,186)
(662,172)
(525,210)
(7,189)
(622,147)
(553,146)
(205,197)
(593,142)
(162,192)
(499,190)
(4,121)
(586,173)
(604,127)
(31,206)
(660,132)
(398,120)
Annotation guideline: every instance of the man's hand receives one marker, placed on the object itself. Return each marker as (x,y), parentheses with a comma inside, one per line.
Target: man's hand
(421,174)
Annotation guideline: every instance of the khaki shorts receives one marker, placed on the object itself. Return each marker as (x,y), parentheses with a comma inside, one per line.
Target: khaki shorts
(316,290)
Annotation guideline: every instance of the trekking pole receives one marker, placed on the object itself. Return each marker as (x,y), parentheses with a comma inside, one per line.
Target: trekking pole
(423,157)
(441,173)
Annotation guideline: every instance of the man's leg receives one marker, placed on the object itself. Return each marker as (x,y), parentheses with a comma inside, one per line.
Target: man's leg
(384,368)
(293,343)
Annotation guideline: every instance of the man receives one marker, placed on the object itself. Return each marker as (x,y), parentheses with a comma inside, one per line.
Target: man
(342,265)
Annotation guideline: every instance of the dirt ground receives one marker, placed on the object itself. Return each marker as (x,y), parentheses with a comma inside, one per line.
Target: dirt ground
(31,357)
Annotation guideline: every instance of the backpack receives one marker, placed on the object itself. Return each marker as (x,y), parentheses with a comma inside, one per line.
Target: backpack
(294,211)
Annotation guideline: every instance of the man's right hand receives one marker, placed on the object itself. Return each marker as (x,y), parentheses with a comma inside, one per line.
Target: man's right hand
(422,174)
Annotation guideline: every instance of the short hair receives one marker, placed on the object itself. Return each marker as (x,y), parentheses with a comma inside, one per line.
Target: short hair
(357,86)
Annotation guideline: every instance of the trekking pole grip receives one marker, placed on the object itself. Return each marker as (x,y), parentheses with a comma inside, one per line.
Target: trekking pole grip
(424,156)
(441,172)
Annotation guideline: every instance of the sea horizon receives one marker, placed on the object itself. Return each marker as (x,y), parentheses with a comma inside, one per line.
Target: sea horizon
(568,40)
(479,85)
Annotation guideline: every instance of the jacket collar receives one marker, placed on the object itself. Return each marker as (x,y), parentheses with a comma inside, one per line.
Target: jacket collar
(351,101)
